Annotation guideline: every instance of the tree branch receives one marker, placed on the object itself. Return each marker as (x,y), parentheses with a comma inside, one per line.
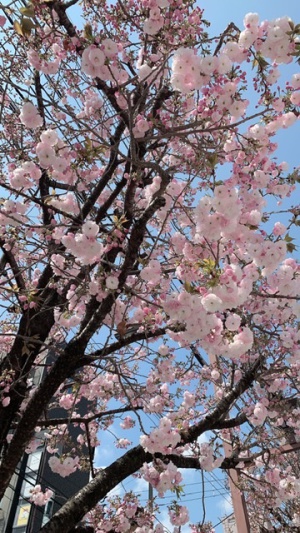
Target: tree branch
(78,420)
(74,510)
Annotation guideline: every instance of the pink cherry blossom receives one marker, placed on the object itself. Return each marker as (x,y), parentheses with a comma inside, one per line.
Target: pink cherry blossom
(295,81)
(38,497)
(180,516)
(211,303)
(30,117)
(112,282)
(5,401)
(110,48)
(147,273)
(144,71)
(232,322)
(63,467)
(251,20)
(46,154)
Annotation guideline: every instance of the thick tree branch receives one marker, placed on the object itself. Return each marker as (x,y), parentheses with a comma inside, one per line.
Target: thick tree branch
(212,420)
(78,420)
(9,258)
(64,20)
(74,510)
(232,422)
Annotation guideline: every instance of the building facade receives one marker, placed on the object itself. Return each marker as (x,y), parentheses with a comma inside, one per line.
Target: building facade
(17,513)
(229,525)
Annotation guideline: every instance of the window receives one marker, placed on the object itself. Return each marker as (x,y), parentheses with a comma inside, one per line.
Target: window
(48,511)
(22,516)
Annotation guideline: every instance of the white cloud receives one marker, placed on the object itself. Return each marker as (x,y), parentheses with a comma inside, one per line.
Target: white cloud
(163,518)
(140,486)
(189,475)
(116,491)
(103,453)
(226,505)
(203,438)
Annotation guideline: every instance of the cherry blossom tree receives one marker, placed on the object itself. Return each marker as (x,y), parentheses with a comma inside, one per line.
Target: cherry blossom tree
(141,245)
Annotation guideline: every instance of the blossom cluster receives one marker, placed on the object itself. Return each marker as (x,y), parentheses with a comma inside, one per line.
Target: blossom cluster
(190,71)
(179,515)
(207,460)
(95,60)
(13,213)
(123,515)
(199,314)
(38,497)
(47,63)
(271,39)
(30,116)
(64,467)
(155,22)
(162,476)
(25,176)
(84,245)
(162,439)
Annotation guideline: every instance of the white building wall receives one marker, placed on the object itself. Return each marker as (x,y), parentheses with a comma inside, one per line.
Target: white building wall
(229,525)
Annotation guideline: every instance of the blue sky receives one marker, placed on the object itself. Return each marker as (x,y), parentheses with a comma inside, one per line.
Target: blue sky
(219,13)
(217,500)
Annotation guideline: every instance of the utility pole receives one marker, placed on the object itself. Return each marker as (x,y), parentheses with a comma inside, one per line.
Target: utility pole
(150,497)
(237,496)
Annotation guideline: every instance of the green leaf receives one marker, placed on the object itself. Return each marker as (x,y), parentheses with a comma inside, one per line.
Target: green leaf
(27,11)
(259,61)
(288,238)
(189,287)
(88,32)
(291,247)
(207,264)
(27,25)
(25,350)
(178,491)
(212,160)
(18,28)
(262,62)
